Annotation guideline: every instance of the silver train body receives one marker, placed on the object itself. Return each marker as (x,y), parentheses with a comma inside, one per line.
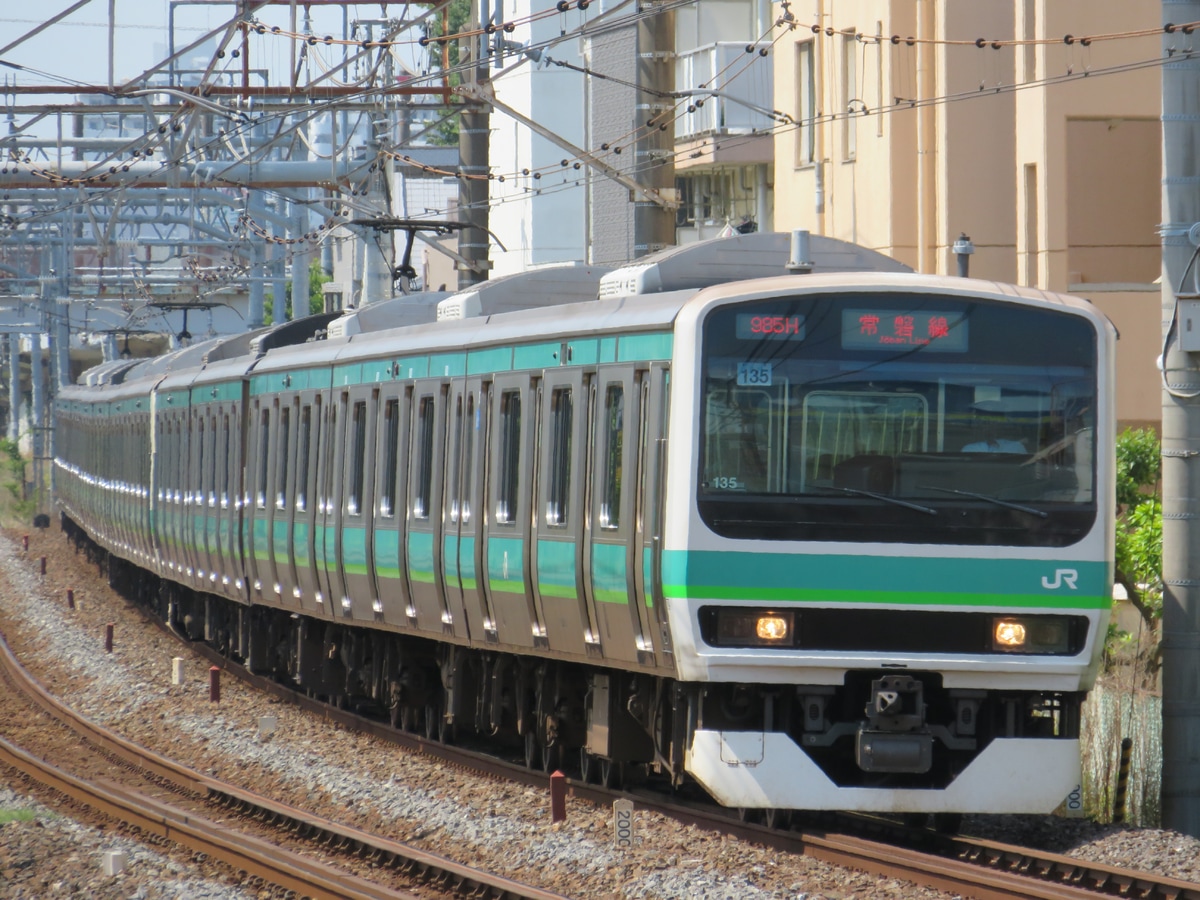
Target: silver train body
(832,540)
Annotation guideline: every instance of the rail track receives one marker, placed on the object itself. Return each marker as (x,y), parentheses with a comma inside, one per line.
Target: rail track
(977,868)
(954,863)
(268,841)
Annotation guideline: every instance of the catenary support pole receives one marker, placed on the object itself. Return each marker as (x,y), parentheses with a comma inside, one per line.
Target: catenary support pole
(1180,429)
(654,118)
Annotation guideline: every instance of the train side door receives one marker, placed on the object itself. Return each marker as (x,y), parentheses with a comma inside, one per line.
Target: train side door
(283,530)
(426,493)
(653,388)
(614,556)
(329,507)
(460,519)
(388,558)
(304,517)
(507,531)
(354,551)
(558,549)
(279,513)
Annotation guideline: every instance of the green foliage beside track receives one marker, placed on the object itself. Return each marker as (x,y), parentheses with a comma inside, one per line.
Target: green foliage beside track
(1139,539)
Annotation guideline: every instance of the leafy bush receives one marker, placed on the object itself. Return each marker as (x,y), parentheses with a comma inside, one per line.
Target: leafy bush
(1139,534)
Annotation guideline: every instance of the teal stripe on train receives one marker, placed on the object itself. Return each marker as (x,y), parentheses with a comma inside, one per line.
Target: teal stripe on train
(915,580)
(610,576)
(354,551)
(556,569)
(420,557)
(387,553)
(458,555)
(506,565)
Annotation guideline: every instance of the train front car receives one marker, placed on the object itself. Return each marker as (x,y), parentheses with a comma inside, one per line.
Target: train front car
(888,540)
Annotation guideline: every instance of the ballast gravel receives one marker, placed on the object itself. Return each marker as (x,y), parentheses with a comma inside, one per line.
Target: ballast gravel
(355,779)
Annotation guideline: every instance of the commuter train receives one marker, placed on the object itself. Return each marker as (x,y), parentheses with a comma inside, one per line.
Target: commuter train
(811,535)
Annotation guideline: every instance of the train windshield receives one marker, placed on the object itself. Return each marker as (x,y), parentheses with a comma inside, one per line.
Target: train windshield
(898,418)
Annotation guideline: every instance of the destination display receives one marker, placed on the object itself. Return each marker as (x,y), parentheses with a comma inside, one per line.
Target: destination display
(887,329)
(754,326)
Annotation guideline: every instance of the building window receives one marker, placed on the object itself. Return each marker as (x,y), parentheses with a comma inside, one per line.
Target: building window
(806,103)
(852,104)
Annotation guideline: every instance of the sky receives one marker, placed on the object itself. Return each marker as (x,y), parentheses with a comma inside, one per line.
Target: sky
(76,48)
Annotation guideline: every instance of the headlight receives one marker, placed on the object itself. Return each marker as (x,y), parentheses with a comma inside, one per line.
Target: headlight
(1031,634)
(755,628)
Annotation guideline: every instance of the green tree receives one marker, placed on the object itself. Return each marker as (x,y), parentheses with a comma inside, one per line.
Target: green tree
(458,16)
(1139,526)
(316,297)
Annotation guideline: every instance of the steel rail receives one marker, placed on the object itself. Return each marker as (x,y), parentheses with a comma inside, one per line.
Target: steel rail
(981,869)
(244,852)
(279,866)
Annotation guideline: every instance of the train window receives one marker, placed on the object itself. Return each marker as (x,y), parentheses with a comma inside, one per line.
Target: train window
(281,458)
(468,459)
(325,451)
(224,488)
(614,440)
(358,453)
(391,443)
(510,456)
(199,473)
(455,489)
(305,437)
(264,434)
(424,469)
(558,490)
(211,489)
(895,417)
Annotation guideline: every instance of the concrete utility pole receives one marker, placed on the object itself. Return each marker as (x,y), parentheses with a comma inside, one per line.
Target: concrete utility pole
(474,136)
(1181,426)
(654,151)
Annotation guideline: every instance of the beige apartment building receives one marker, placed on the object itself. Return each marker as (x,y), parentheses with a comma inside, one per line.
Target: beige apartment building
(921,120)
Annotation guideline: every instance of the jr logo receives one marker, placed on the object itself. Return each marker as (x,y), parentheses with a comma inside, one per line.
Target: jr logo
(1061,577)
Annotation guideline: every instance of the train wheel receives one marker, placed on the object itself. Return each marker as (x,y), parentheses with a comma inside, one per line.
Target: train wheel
(947,823)
(433,715)
(611,773)
(778,818)
(551,757)
(447,731)
(394,714)
(587,766)
(531,749)
(408,718)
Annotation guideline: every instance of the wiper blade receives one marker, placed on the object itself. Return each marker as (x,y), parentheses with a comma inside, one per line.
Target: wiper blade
(886,499)
(1041,513)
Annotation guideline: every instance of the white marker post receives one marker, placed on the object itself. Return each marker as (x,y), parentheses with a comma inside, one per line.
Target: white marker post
(623,824)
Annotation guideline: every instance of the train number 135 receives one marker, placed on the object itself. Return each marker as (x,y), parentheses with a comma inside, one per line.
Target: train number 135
(758,374)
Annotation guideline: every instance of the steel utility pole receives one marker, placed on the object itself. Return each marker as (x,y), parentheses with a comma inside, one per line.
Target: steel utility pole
(1180,425)
(654,152)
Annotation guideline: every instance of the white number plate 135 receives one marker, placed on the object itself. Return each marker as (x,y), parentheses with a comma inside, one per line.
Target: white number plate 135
(750,373)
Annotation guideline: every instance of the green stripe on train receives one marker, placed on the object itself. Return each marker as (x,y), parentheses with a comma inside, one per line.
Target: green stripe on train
(911,580)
